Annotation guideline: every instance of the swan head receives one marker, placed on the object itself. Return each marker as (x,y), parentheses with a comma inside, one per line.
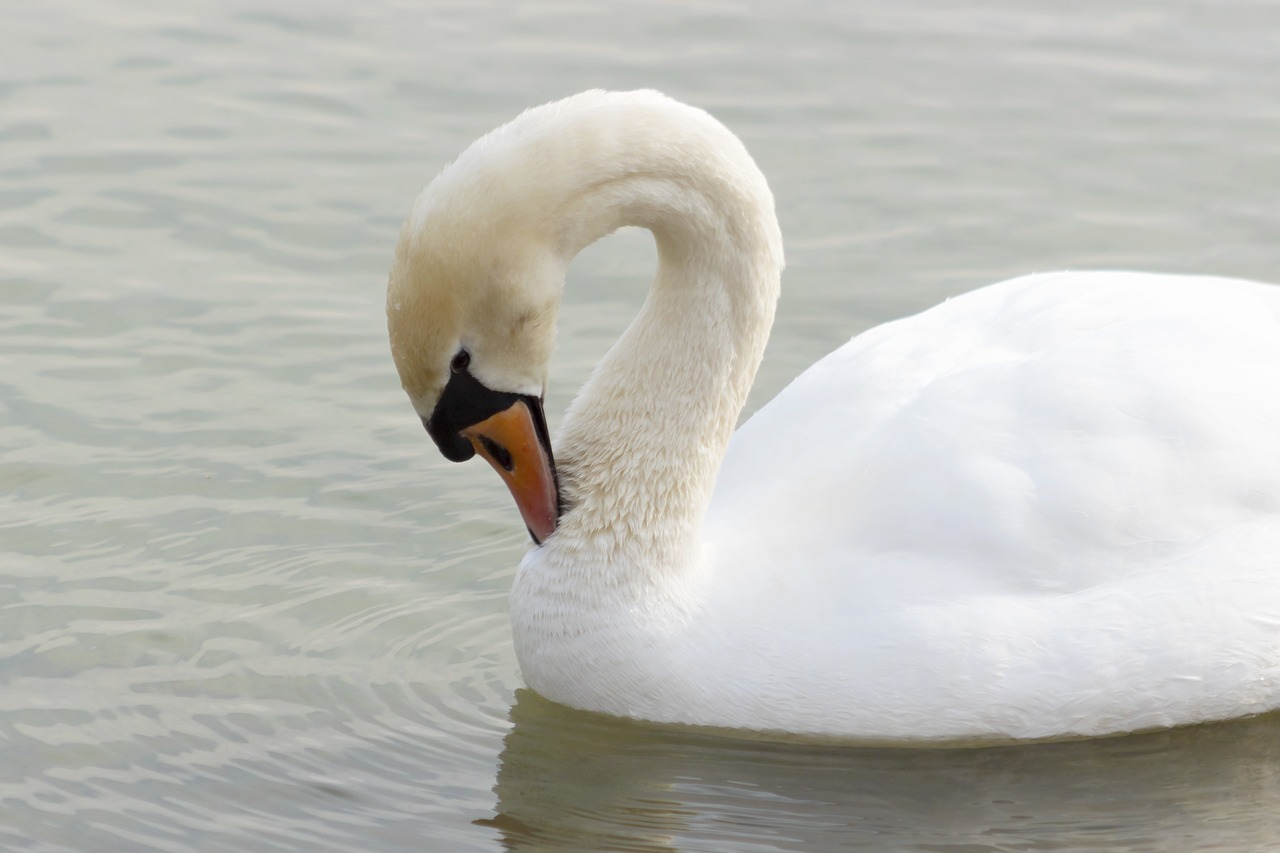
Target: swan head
(480,264)
(472,301)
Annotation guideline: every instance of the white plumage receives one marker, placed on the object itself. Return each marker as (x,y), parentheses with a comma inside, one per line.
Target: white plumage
(1046,508)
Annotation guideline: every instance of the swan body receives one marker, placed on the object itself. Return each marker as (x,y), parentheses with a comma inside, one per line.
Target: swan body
(1046,508)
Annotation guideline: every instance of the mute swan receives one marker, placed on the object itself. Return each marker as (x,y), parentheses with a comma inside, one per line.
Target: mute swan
(1047,508)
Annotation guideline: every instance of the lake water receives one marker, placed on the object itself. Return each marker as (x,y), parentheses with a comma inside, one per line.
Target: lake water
(245,606)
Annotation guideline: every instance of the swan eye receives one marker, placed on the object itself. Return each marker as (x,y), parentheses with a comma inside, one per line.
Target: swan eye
(460,361)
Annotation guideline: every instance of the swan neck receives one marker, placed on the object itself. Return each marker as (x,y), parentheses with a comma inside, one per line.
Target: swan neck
(642,443)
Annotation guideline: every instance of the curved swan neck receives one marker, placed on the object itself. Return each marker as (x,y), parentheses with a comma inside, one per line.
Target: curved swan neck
(641,445)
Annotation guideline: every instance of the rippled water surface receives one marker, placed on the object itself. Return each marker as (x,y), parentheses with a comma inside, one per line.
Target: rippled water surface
(244,605)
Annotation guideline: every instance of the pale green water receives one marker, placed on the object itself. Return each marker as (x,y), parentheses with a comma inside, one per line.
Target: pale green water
(243,604)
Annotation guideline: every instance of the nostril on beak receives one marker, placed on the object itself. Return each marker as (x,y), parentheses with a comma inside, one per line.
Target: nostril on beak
(498,453)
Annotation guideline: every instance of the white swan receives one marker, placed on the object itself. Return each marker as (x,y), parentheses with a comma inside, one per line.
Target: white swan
(1047,508)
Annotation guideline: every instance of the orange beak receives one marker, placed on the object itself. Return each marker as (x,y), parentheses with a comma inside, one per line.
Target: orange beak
(509,442)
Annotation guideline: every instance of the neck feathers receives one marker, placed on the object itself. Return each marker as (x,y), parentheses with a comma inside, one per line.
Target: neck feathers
(641,445)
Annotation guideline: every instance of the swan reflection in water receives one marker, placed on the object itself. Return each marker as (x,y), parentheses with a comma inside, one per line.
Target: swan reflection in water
(571,780)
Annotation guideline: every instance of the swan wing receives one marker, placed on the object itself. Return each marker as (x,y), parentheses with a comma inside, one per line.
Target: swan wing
(1050,431)
(1036,508)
